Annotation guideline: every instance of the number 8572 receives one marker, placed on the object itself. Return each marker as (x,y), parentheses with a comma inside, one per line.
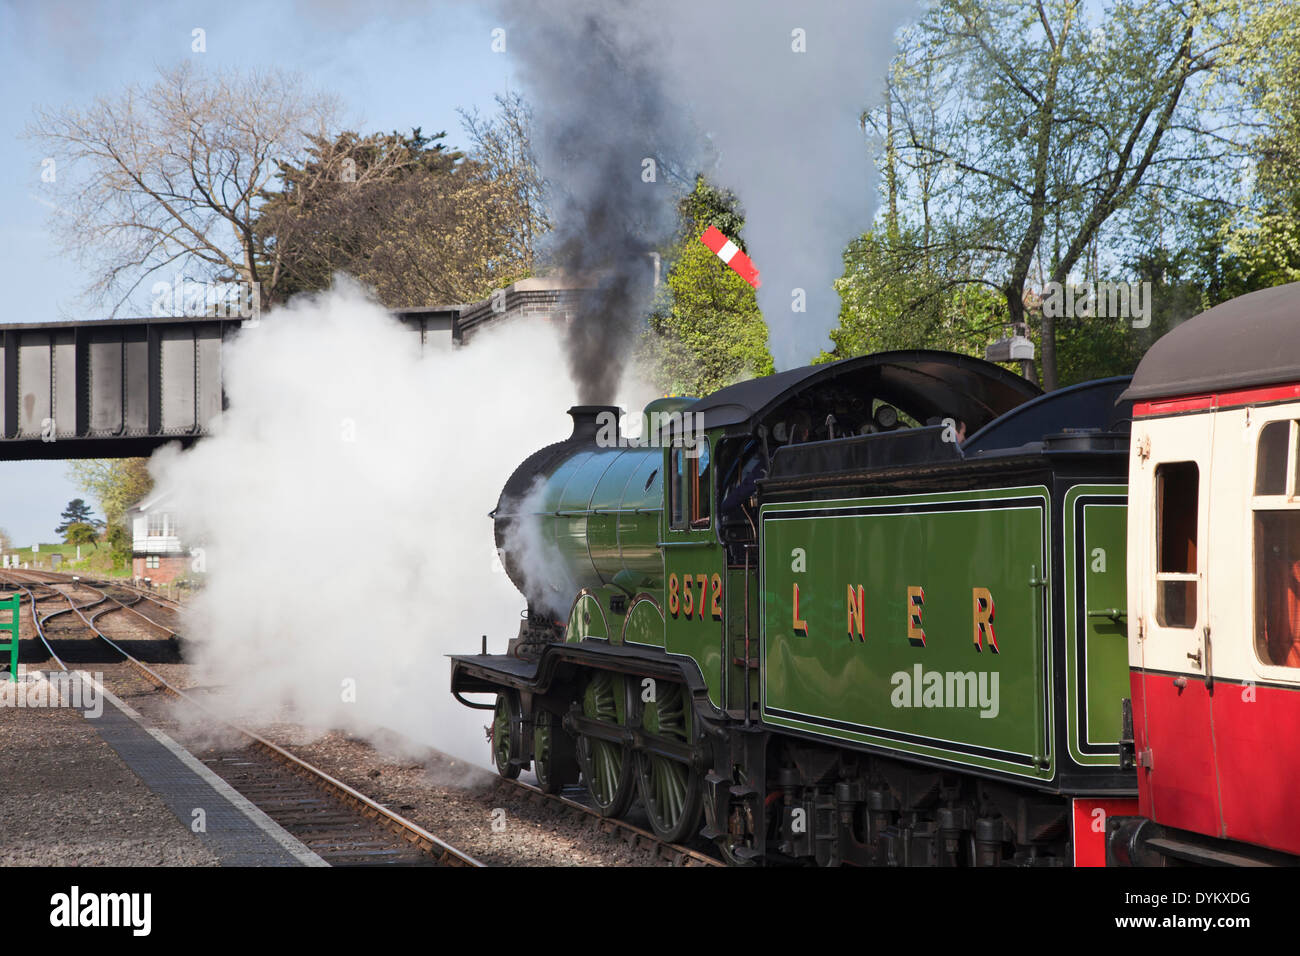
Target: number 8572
(689,594)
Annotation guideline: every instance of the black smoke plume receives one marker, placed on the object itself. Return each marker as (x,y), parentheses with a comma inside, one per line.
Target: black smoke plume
(773,91)
(604,122)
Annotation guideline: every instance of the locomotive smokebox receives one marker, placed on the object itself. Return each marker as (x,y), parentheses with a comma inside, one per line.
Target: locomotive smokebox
(583,512)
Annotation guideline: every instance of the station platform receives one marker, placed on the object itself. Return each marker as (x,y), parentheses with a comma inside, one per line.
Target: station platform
(99,787)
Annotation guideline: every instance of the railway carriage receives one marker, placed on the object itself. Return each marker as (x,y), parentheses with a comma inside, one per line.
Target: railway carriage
(1214,545)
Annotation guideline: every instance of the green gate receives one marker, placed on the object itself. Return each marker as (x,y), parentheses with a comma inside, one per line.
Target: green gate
(12,604)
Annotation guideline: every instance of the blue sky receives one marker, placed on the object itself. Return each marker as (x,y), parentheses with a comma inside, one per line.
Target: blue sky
(394,64)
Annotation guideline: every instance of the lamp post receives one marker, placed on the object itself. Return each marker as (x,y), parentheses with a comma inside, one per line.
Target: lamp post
(1014,348)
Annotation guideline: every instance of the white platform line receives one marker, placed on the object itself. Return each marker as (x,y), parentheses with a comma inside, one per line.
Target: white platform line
(295,847)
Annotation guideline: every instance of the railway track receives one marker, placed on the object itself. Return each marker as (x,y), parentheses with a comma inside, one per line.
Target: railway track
(287,788)
(569,804)
(153,597)
(154,636)
(633,835)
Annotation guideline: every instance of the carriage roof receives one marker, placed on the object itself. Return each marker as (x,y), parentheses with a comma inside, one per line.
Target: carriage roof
(1247,342)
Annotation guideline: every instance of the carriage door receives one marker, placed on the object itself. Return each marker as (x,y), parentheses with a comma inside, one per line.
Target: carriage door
(1172,694)
(1257,670)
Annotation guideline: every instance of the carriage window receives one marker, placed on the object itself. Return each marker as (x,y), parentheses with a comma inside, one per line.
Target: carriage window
(1277,587)
(1176,517)
(1270,463)
(1277,548)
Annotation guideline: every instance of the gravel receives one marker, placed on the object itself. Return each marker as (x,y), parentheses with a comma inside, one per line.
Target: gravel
(67,799)
(470,808)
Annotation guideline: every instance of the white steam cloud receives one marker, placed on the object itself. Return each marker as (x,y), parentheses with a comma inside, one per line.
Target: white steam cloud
(342,507)
(547,583)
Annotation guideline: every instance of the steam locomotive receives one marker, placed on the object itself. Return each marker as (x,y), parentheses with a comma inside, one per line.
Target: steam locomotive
(906,609)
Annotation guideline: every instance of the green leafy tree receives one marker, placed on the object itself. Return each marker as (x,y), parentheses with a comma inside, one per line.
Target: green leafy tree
(1027,143)
(706,330)
(120,545)
(1257,244)
(81,533)
(884,306)
(117,484)
(77,512)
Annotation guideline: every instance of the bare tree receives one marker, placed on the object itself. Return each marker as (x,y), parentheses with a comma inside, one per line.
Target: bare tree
(503,146)
(171,175)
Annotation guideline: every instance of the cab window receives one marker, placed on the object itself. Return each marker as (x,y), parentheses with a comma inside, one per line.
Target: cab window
(677,491)
(1177,508)
(690,504)
(700,504)
(1277,546)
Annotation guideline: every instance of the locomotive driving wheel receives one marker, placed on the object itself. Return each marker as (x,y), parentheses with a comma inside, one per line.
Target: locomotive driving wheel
(505,746)
(554,760)
(670,789)
(606,766)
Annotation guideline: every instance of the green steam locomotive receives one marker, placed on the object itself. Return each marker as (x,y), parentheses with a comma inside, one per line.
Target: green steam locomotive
(865,612)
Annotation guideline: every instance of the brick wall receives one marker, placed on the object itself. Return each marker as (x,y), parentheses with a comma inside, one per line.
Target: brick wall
(170,567)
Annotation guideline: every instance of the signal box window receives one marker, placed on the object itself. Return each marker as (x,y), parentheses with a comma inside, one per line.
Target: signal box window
(1177,503)
(1277,548)
(689,491)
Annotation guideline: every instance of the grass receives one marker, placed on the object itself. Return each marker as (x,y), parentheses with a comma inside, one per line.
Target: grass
(98,561)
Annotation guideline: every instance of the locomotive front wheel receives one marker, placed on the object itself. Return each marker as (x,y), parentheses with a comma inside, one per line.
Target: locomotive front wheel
(606,766)
(554,760)
(671,790)
(505,720)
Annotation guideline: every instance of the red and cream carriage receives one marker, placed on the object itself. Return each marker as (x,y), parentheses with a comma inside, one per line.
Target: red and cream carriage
(1214,586)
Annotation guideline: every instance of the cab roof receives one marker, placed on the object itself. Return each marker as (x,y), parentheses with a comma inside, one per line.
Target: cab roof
(921,382)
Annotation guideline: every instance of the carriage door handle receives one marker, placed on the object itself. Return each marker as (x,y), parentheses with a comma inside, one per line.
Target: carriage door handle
(1209,659)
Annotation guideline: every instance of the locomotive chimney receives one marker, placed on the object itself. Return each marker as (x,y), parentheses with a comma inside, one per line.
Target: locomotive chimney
(590,419)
